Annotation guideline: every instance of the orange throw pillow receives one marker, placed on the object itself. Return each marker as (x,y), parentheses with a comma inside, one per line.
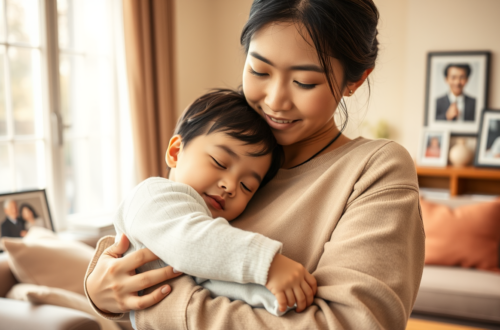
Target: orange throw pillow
(467,236)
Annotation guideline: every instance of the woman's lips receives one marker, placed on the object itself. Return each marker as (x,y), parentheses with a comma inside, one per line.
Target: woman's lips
(217,202)
(279,123)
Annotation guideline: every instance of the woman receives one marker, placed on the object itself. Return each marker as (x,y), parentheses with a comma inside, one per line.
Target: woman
(30,216)
(433,147)
(346,209)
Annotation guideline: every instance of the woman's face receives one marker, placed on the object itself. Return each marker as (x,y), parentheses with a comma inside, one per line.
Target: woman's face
(284,82)
(27,215)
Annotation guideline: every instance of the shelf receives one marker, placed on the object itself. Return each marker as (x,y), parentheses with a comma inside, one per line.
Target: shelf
(460,180)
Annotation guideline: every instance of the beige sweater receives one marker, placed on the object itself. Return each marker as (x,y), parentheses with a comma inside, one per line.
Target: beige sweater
(352,218)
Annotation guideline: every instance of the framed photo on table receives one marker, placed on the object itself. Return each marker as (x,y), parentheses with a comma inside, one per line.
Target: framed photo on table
(433,149)
(23,210)
(488,142)
(457,90)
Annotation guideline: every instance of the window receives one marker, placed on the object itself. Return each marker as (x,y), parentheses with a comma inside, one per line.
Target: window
(61,88)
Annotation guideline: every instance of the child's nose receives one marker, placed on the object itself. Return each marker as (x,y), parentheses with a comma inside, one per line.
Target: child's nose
(228,186)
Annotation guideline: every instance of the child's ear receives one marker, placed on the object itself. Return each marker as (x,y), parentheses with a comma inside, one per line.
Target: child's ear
(173,150)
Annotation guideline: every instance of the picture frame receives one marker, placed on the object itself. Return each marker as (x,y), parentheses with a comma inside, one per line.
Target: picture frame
(32,209)
(434,147)
(488,141)
(456,90)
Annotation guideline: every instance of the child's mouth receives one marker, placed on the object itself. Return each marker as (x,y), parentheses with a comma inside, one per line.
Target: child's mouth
(217,202)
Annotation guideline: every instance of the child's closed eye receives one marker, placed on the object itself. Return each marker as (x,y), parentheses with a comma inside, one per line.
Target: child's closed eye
(218,164)
(245,187)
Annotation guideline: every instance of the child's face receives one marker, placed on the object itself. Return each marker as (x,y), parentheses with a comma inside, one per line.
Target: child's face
(220,169)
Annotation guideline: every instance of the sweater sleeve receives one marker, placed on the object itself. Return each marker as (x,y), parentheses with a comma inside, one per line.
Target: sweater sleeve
(172,220)
(368,275)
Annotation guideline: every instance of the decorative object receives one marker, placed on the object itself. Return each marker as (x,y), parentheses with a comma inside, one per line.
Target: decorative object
(457,90)
(433,150)
(467,236)
(23,210)
(488,143)
(460,154)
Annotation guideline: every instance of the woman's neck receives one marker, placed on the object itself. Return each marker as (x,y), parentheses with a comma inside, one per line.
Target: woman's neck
(301,151)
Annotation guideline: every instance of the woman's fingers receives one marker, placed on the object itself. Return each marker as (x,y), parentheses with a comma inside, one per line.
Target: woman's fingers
(119,248)
(300,298)
(290,297)
(134,302)
(312,282)
(308,293)
(151,277)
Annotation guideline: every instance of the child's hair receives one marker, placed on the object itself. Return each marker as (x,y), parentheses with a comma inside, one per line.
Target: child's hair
(225,110)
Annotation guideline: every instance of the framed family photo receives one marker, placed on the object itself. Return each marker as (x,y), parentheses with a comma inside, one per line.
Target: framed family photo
(21,211)
(457,90)
(488,145)
(433,150)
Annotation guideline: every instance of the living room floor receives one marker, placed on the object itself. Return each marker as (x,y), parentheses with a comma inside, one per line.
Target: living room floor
(447,324)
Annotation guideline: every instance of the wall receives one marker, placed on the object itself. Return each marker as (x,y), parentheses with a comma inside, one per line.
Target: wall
(439,26)
(208,50)
(209,55)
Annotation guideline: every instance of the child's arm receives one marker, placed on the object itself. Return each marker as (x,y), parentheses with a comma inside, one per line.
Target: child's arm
(172,220)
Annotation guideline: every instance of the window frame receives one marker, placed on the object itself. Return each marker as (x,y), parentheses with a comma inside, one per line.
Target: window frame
(53,125)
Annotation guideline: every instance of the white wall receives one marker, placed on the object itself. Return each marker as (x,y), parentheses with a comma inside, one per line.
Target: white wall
(209,55)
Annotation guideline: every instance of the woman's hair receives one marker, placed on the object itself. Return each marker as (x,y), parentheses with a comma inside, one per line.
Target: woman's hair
(343,29)
(227,111)
(29,207)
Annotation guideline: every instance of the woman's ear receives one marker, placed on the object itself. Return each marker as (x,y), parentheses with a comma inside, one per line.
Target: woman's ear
(173,150)
(353,86)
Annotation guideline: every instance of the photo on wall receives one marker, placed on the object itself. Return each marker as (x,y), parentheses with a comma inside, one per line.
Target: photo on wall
(433,150)
(488,146)
(23,210)
(457,90)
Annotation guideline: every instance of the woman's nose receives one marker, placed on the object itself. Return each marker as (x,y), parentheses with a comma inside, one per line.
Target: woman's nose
(277,98)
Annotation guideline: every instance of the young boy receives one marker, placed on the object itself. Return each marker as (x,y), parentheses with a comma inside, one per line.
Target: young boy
(221,154)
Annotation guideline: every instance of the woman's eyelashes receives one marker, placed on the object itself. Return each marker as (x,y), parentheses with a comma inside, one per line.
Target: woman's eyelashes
(301,85)
(258,74)
(304,86)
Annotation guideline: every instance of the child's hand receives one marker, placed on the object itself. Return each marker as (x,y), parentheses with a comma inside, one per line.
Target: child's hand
(290,283)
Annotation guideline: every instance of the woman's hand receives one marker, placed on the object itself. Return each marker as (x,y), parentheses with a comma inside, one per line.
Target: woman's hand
(113,285)
(290,283)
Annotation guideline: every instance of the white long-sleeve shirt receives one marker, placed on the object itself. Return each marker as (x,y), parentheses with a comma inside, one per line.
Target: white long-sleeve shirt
(172,220)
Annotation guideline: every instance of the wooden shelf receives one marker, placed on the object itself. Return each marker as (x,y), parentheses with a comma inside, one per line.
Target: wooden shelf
(460,180)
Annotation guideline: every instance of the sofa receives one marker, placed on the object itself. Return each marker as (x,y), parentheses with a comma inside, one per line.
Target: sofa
(23,315)
(459,293)
(54,300)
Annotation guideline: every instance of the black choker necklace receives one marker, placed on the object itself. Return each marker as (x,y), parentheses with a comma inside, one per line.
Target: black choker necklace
(329,144)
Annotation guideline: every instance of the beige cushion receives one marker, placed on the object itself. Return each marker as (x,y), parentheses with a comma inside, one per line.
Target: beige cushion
(40,258)
(53,296)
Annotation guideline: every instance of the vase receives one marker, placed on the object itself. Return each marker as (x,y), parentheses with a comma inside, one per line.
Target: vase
(460,154)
